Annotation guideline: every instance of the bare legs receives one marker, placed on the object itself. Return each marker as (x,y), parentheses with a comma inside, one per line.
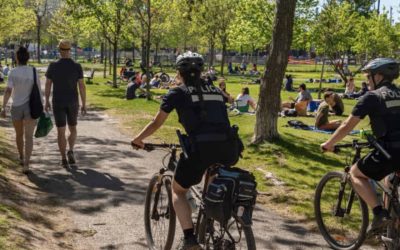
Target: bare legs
(24,129)
(62,141)
(181,205)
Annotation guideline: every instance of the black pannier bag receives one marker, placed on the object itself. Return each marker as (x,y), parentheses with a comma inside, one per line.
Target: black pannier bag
(231,193)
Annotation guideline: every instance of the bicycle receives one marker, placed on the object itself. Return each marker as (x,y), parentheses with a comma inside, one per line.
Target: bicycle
(158,206)
(164,77)
(342,216)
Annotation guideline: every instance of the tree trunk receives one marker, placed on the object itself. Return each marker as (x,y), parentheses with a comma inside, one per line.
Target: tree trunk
(156,59)
(320,80)
(212,51)
(148,44)
(269,103)
(115,59)
(143,54)
(133,53)
(102,52)
(105,61)
(223,55)
(109,59)
(39,24)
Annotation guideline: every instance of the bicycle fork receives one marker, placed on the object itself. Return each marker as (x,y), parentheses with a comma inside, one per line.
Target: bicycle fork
(338,210)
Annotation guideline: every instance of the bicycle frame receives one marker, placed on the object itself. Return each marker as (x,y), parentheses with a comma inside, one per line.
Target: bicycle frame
(391,193)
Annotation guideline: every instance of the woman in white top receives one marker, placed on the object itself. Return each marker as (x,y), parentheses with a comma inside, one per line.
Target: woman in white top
(19,87)
(350,87)
(244,100)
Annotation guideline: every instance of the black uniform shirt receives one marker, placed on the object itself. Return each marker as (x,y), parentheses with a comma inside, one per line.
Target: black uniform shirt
(210,116)
(383,108)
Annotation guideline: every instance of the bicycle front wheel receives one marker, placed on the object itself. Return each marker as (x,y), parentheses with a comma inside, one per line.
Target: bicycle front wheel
(342,224)
(159,214)
(233,236)
(164,77)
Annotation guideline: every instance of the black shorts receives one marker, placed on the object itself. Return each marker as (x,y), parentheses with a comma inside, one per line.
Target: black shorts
(292,105)
(190,171)
(375,165)
(64,114)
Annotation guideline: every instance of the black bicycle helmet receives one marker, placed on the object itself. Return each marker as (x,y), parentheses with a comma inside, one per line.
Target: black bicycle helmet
(387,67)
(190,61)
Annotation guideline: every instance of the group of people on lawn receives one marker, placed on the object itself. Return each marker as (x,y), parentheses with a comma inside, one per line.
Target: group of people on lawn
(331,104)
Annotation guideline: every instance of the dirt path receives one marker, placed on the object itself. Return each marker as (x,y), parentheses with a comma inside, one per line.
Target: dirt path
(102,200)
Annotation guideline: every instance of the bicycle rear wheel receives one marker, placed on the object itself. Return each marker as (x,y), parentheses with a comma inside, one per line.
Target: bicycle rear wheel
(343,228)
(159,215)
(392,237)
(234,236)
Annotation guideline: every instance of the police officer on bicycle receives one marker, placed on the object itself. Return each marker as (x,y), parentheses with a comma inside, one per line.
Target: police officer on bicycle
(382,105)
(202,113)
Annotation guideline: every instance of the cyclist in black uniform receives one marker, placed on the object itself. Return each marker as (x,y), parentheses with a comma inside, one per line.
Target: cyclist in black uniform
(382,105)
(202,112)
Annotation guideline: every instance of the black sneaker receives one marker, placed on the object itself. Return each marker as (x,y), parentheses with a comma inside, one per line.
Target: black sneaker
(379,223)
(190,244)
(64,163)
(70,156)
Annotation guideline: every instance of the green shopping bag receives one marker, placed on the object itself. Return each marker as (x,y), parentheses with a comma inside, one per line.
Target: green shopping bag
(44,125)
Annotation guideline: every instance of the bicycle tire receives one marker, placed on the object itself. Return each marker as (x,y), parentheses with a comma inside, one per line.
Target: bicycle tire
(201,230)
(151,189)
(392,233)
(332,238)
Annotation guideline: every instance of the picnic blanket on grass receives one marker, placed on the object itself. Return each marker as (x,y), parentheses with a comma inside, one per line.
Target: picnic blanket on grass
(300,125)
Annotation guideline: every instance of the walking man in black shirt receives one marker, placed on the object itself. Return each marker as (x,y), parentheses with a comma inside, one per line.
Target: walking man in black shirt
(65,76)
(382,105)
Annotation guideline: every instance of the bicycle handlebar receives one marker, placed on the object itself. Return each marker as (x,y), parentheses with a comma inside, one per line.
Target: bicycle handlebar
(372,142)
(153,146)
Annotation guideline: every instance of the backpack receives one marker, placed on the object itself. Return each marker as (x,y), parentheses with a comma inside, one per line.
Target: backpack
(231,193)
(298,124)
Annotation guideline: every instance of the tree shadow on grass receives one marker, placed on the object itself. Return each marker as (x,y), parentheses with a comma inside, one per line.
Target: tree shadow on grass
(299,147)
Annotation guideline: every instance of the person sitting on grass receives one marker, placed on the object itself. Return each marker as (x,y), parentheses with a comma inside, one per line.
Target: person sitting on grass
(289,83)
(155,82)
(131,90)
(350,87)
(338,108)
(364,89)
(303,95)
(244,101)
(227,97)
(321,120)
(254,71)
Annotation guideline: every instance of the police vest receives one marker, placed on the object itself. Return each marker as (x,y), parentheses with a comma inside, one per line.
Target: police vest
(204,116)
(386,124)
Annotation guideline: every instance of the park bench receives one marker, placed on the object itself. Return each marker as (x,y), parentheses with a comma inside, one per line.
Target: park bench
(89,76)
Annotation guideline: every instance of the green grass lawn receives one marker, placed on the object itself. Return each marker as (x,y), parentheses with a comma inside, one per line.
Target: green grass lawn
(295,158)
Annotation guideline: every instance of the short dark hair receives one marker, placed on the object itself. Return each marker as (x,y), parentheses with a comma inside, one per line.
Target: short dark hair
(328,94)
(303,86)
(22,55)
(245,91)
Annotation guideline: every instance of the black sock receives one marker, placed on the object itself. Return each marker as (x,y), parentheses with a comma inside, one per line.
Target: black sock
(188,233)
(377,210)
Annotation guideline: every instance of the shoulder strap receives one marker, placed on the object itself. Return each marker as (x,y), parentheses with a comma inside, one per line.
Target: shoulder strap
(34,76)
